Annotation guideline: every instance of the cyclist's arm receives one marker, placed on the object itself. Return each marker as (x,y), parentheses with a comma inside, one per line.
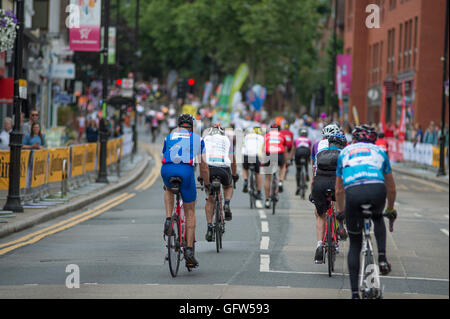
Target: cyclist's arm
(204,169)
(390,190)
(233,165)
(340,194)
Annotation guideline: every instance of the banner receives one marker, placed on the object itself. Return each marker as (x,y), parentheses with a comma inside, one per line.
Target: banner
(256,96)
(56,158)
(78,159)
(395,149)
(225,91)
(402,125)
(91,151)
(437,157)
(238,80)
(344,72)
(39,170)
(383,110)
(111,45)
(84,31)
(4,169)
(207,92)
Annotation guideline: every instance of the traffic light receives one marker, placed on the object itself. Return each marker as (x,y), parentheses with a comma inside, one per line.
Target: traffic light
(181,89)
(191,84)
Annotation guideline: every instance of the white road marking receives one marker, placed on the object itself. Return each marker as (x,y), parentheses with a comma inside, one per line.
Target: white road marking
(418,215)
(445,231)
(264,243)
(265,227)
(262,214)
(265,263)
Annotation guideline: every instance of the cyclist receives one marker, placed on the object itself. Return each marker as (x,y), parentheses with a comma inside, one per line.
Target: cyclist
(275,146)
(302,151)
(364,176)
(328,130)
(289,137)
(382,143)
(252,150)
(323,179)
(181,148)
(222,163)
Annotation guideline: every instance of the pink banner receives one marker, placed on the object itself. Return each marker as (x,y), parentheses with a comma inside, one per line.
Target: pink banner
(84,31)
(85,39)
(344,67)
(395,149)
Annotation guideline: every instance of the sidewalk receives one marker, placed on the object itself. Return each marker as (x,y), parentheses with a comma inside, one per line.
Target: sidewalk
(420,171)
(75,199)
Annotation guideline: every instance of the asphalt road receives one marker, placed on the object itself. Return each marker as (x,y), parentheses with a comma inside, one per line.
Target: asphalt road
(118,248)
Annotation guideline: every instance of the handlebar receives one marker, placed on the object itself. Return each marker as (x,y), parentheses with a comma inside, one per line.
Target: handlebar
(392,216)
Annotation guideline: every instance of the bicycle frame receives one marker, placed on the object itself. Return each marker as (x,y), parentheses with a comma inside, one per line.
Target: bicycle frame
(330,213)
(252,186)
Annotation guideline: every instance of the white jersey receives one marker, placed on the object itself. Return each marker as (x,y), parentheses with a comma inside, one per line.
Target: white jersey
(218,150)
(253,144)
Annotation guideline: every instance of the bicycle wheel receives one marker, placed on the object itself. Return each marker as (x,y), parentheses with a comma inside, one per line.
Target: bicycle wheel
(274,194)
(251,190)
(330,245)
(174,247)
(217,229)
(303,184)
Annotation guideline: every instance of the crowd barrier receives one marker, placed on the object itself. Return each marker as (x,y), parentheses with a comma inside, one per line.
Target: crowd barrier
(52,173)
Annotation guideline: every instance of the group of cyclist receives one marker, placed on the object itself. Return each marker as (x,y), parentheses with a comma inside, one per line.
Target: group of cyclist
(357,174)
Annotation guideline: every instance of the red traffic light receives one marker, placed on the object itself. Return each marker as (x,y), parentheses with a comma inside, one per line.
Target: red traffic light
(191,82)
(119,81)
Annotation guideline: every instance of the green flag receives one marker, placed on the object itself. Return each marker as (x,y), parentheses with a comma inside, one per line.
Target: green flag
(239,79)
(225,91)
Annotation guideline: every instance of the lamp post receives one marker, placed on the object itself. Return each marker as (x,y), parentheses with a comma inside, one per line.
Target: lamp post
(13,198)
(103,132)
(136,48)
(441,171)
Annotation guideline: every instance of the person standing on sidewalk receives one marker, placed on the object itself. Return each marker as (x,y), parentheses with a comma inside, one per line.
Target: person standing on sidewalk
(4,135)
(34,117)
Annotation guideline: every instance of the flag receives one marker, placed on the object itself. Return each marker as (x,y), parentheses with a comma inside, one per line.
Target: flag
(402,125)
(383,110)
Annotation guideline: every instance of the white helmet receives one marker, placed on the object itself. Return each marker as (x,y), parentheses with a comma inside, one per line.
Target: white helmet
(330,129)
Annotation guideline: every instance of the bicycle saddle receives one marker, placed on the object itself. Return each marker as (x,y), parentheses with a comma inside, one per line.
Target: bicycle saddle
(329,193)
(215,182)
(367,213)
(175,183)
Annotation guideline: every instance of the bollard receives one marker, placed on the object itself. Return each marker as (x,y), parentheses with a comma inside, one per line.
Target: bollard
(118,163)
(64,179)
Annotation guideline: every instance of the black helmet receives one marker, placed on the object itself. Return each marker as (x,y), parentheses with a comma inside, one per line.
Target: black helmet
(338,139)
(186,121)
(365,133)
(303,132)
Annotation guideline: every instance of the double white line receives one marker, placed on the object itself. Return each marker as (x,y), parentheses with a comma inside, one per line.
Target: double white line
(65,224)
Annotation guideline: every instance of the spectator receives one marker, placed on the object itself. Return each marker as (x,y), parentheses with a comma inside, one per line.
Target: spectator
(92,132)
(430,134)
(389,130)
(34,140)
(418,138)
(4,135)
(34,117)
(81,121)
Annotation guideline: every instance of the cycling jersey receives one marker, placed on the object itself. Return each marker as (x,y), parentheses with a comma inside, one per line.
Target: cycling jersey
(274,143)
(326,161)
(253,145)
(289,137)
(218,150)
(362,163)
(181,147)
(302,141)
(383,144)
(317,147)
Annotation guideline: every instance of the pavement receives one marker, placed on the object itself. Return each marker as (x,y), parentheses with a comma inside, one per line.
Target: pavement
(54,206)
(420,171)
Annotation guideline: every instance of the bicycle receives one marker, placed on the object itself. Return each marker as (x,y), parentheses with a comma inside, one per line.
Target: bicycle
(370,272)
(252,185)
(176,240)
(219,221)
(274,191)
(301,180)
(330,238)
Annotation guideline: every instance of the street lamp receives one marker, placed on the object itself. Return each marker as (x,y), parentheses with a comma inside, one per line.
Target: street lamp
(103,132)
(136,48)
(441,171)
(13,199)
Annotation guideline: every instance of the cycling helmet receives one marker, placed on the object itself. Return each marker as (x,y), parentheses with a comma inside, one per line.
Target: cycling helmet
(186,121)
(274,125)
(338,139)
(286,126)
(257,130)
(303,132)
(365,133)
(330,129)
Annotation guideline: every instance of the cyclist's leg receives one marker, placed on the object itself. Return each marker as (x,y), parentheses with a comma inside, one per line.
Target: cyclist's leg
(245,167)
(227,182)
(378,192)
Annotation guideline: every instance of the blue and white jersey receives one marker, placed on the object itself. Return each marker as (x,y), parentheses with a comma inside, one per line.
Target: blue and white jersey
(182,146)
(362,163)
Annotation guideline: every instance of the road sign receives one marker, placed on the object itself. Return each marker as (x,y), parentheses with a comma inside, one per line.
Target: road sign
(63,71)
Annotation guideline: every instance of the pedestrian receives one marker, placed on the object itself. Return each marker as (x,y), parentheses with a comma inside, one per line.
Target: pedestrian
(81,122)
(429,136)
(92,132)
(4,135)
(34,140)
(34,117)
(418,138)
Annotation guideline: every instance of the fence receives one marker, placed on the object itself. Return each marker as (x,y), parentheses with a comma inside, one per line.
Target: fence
(49,174)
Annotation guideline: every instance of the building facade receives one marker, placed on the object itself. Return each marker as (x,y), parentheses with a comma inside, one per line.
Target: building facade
(406,48)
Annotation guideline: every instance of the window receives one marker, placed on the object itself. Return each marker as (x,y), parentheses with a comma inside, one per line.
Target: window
(40,18)
(392,4)
(405,45)
(380,64)
(400,48)
(350,15)
(415,40)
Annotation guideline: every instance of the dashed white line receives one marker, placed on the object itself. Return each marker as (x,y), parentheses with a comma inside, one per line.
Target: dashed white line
(445,231)
(264,243)
(418,215)
(265,227)
(264,263)
(262,214)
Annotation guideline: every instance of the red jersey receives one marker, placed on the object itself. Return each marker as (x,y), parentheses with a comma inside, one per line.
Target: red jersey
(383,144)
(274,142)
(289,137)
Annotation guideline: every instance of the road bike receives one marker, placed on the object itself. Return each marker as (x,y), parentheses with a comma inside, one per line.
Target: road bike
(252,185)
(274,191)
(176,240)
(330,238)
(369,284)
(219,221)
(301,180)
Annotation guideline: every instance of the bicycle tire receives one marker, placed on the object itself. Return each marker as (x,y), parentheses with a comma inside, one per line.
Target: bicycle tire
(251,190)
(303,184)
(330,243)
(174,247)
(274,194)
(218,235)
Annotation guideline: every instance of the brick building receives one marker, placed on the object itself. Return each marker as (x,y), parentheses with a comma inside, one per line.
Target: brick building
(408,47)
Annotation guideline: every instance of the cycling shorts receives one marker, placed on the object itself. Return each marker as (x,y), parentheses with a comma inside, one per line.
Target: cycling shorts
(248,160)
(188,188)
(319,186)
(223,173)
(355,196)
(302,153)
